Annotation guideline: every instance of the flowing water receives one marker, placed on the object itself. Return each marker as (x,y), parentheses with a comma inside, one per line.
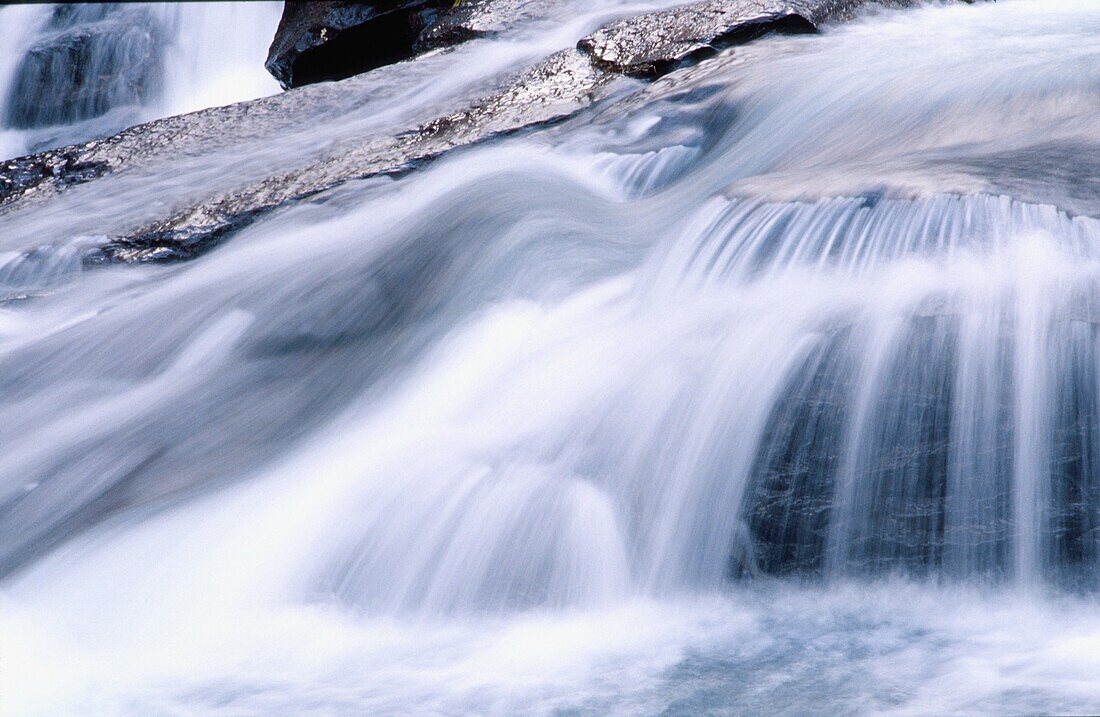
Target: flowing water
(768,388)
(147,59)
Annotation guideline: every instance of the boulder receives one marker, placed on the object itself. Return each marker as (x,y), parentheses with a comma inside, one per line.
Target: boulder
(555,88)
(653,44)
(333,40)
(650,45)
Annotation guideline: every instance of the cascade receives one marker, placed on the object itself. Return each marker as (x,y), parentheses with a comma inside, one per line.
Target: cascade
(768,387)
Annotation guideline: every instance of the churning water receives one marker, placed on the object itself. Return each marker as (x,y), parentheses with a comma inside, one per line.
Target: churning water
(771,387)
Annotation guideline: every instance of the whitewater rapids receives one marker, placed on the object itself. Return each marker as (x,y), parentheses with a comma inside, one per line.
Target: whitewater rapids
(770,389)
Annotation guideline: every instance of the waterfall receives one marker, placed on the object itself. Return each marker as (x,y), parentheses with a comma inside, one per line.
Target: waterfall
(74,72)
(768,387)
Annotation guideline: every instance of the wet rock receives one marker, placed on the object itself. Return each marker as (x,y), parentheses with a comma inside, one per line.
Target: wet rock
(97,58)
(553,89)
(788,502)
(471,19)
(35,178)
(210,209)
(1060,172)
(652,44)
(318,41)
(57,168)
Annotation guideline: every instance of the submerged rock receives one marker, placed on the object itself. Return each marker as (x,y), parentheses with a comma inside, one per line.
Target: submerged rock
(554,88)
(333,40)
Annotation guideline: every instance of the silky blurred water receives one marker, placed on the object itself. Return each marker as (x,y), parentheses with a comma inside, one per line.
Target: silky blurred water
(769,387)
(201,54)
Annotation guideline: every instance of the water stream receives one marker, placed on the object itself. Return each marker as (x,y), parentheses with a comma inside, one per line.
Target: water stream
(767,388)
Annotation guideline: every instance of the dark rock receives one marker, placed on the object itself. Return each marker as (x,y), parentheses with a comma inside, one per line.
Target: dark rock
(60,167)
(98,58)
(334,40)
(899,517)
(67,15)
(788,501)
(1058,172)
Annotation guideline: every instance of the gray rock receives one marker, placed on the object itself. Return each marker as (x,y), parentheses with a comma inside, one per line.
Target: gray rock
(650,45)
(478,18)
(653,44)
(555,88)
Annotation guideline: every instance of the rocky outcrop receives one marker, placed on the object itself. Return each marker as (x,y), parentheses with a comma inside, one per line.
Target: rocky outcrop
(652,44)
(204,215)
(333,40)
(57,168)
